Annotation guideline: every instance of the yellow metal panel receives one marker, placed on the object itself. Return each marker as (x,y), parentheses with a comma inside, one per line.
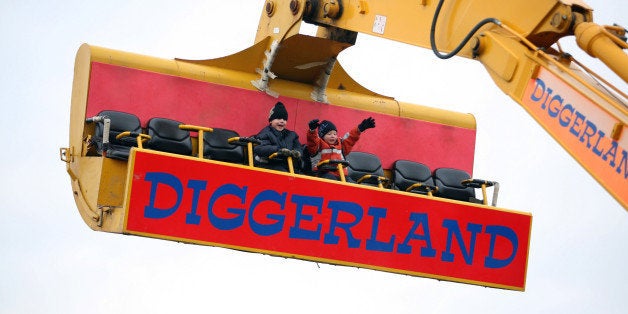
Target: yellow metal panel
(498,56)
(113,176)
(409,21)
(597,42)
(279,20)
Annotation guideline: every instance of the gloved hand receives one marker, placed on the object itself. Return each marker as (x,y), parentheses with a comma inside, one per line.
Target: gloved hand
(368,123)
(284,152)
(313,124)
(295,154)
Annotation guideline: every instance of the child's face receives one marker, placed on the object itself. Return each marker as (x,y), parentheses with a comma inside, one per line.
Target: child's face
(278,124)
(331,137)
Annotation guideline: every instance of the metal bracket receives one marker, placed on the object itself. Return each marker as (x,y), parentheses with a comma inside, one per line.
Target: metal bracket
(102,210)
(266,74)
(318,94)
(66,154)
(617,130)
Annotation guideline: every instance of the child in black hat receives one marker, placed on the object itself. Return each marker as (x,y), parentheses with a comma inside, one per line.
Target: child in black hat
(326,145)
(276,138)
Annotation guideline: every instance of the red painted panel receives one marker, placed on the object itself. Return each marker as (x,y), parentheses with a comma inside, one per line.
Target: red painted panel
(320,220)
(149,94)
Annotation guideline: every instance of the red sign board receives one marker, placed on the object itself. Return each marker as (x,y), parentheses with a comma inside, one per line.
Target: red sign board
(212,203)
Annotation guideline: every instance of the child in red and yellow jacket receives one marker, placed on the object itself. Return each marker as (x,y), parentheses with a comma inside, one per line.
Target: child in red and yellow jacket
(326,145)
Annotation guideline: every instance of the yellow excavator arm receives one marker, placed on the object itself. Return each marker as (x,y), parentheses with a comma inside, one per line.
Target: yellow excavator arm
(517,43)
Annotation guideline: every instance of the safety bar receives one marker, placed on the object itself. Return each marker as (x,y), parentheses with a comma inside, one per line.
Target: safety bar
(141,137)
(288,154)
(105,134)
(201,130)
(422,188)
(483,184)
(249,142)
(334,164)
(380,180)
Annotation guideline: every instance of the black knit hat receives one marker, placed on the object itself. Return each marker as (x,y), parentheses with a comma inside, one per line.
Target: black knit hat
(325,127)
(278,112)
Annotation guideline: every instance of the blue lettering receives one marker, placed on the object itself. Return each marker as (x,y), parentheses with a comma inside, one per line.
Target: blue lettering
(612,152)
(296,232)
(554,110)
(595,149)
(372,244)
(490,261)
(585,130)
(549,93)
(197,186)
(156,178)
(227,223)
(589,131)
(575,128)
(454,230)
(563,119)
(348,207)
(273,228)
(623,163)
(420,219)
(539,84)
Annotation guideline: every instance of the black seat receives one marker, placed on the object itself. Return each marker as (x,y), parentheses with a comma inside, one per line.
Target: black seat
(216,146)
(449,184)
(412,176)
(366,168)
(119,122)
(165,135)
(306,161)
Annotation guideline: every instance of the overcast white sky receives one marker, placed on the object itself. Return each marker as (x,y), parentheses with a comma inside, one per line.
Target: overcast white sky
(51,262)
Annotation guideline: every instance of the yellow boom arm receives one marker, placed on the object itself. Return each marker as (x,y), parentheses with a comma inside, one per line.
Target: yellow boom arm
(515,43)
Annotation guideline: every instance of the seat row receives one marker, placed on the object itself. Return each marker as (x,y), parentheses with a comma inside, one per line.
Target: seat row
(416,177)
(451,183)
(116,132)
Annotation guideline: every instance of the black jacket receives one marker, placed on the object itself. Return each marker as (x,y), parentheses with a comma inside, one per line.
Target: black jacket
(273,140)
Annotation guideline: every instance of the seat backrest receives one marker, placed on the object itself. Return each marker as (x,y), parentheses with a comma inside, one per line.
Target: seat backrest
(363,163)
(448,181)
(166,136)
(306,161)
(119,122)
(406,173)
(217,147)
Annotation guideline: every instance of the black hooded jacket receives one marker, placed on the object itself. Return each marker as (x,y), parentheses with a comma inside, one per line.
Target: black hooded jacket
(273,140)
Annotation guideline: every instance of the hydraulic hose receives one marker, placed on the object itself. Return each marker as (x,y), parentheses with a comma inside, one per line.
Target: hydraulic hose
(464,41)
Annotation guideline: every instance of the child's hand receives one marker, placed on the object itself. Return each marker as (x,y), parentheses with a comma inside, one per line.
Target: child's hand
(368,123)
(284,152)
(313,124)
